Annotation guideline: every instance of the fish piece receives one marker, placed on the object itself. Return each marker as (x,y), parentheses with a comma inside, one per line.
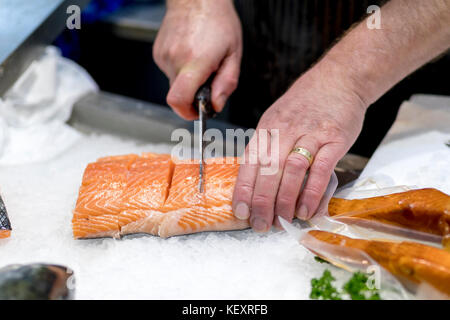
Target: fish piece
(220,176)
(412,261)
(147,184)
(113,185)
(424,210)
(186,210)
(5,225)
(98,226)
(141,221)
(200,219)
(36,282)
(150,194)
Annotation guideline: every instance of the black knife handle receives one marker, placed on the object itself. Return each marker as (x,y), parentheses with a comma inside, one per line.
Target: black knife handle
(204,95)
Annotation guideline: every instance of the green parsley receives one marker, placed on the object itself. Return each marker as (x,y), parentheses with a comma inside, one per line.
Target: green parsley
(320,260)
(323,289)
(356,288)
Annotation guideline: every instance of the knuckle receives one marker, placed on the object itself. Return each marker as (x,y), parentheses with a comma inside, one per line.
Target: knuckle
(174,100)
(312,192)
(261,202)
(296,163)
(171,53)
(284,201)
(321,165)
(232,82)
(243,188)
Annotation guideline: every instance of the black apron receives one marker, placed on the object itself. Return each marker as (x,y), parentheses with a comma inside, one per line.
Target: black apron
(282,39)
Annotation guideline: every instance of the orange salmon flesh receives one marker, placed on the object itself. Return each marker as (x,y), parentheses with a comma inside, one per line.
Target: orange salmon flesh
(150,194)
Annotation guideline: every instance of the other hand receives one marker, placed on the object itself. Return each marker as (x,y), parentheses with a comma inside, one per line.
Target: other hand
(196,39)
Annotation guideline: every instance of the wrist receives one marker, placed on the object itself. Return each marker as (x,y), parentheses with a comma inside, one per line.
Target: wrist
(344,76)
(330,78)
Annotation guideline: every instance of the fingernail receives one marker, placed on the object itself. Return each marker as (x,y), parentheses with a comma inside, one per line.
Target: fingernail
(242,211)
(259,225)
(302,212)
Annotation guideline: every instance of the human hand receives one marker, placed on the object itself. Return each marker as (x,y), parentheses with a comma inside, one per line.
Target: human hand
(321,113)
(196,39)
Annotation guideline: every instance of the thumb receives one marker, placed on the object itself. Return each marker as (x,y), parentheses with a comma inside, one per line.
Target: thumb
(184,87)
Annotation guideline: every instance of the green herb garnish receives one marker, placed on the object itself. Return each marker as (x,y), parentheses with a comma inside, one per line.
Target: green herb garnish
(320,260)
(323,289)
(356,288)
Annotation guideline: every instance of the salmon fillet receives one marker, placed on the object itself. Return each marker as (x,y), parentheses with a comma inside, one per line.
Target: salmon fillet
(407,260)
(150,194)
(424,210)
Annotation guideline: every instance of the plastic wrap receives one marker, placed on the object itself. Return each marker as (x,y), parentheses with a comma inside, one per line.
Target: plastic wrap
(399,282)
(404,213)
(398,248)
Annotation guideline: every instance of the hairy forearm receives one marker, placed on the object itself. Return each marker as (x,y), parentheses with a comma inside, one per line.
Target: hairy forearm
(371,61)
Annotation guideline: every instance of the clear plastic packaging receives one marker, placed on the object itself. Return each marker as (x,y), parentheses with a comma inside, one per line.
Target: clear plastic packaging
(396,235)
(397,213)
(395,283)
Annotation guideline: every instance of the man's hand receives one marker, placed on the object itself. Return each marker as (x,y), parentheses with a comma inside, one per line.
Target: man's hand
(319,113)
(323,111)
(196,39)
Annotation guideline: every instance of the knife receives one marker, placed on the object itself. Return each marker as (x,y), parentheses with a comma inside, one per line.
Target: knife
(205,111)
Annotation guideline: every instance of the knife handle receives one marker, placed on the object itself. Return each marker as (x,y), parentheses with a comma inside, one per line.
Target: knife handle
(203,99)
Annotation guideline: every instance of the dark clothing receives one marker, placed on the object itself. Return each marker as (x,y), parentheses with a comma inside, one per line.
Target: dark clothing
(282,39)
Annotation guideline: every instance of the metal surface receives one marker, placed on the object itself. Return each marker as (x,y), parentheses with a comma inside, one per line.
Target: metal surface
(123,116)
(205,111)
(201,142)
(137,21)
(25,27)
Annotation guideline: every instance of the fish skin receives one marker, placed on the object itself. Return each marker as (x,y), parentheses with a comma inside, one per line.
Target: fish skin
(130,194)
(36,282)
(5,224)
(407,260)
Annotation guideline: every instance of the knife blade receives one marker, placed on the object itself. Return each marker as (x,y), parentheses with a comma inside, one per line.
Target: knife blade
(205,111)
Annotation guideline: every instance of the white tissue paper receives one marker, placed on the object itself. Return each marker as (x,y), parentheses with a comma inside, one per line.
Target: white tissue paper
(34,111)
(417,161)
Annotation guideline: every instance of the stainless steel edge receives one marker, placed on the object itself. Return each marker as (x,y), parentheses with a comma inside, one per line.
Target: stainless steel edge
(25,28)
(128,117)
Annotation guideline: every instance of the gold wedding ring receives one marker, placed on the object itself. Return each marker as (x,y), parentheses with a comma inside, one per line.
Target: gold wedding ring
(304,153)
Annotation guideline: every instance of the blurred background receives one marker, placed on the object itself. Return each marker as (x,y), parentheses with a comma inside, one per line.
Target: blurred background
(116,39)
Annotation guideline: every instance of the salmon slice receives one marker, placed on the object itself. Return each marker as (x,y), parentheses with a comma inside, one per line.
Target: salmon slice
(200,219)
(130,194)
(5,225)
(147,185)
(407,260)
(424,210)
(220,177)
(98,226)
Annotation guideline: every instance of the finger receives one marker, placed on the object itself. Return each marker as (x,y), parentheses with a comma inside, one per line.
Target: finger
(186,84)
(267,184)
(291,183)
(162,61)
(243,190)
(225,81)
(316,184)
